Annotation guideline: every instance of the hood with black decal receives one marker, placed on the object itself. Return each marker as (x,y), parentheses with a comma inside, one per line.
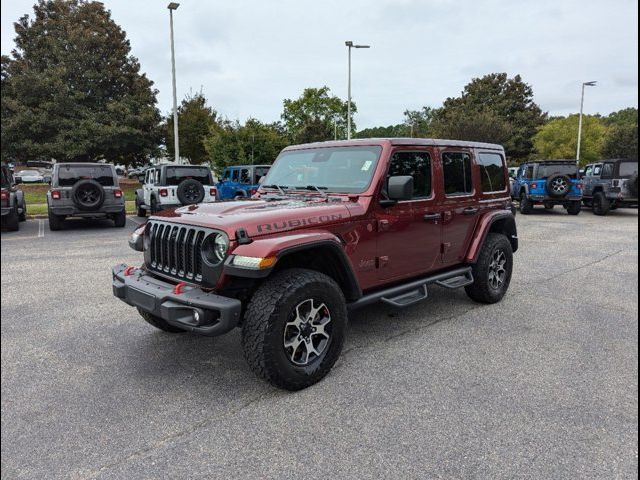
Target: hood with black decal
(262,217)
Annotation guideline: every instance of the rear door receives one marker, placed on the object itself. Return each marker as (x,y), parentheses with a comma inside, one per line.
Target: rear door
(459,203)
(409,232)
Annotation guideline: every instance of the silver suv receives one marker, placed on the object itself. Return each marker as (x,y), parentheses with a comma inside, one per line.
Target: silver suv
(86,190)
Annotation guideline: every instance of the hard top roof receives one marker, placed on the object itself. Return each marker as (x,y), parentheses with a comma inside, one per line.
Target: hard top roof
(403,141)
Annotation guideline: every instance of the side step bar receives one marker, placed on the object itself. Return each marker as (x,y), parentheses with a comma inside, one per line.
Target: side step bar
(416,290)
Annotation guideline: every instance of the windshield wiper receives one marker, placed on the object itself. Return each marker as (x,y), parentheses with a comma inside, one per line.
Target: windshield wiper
(315,188)
(280,188)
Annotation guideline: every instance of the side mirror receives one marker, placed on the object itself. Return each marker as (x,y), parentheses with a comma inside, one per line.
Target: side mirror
(400,187)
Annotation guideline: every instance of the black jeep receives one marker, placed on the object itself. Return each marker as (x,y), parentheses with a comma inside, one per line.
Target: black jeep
(14,208)
(86,190)
(611,184)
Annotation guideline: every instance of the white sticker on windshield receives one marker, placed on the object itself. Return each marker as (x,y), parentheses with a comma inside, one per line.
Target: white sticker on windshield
(366,165)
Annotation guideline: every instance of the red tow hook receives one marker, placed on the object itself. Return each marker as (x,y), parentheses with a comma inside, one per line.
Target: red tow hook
(178,288)
(128,271)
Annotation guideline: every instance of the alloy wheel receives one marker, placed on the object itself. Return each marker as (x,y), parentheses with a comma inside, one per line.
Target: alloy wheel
(308,332)
(497,269)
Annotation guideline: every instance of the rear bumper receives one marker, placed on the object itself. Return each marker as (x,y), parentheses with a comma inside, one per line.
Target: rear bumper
(193,310)
(72,211)
(556,200)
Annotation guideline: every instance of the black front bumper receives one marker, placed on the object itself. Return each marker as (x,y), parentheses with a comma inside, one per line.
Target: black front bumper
(193,309)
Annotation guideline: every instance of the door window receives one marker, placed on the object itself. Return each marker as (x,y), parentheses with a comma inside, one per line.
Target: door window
(457,173)
(226,175)
(416,164)
(259,173)
(607,170)
(492,172)
(235,175)
(245,176)
(597,169)
(589,171)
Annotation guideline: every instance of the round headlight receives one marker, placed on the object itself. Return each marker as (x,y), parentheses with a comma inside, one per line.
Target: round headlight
(215,247)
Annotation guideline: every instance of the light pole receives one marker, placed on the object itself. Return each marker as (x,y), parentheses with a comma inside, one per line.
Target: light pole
(176,144)
(350,45)
(585,84)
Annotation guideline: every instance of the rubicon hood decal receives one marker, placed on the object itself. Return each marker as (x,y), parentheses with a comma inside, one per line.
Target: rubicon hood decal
(259,217)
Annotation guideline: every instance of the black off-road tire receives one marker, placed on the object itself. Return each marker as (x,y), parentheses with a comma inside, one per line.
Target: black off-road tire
(23,215)
(11,221)
(55,221)
(89,185)
(549,206)
(190,192)
(601,204)
(264,327)
(481,290)
(574,208)
(140,212)
(120,219)
(159,323)
(154,206)
(526,206)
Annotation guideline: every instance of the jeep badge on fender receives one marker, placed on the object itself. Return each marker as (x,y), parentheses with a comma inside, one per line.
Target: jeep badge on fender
(334,226)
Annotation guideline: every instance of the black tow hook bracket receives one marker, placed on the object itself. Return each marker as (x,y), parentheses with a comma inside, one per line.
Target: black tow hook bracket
(242,237)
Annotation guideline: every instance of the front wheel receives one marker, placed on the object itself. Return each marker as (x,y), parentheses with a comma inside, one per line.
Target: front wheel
(294,328)
(140,212)
(23,213)
(12,220)
(120,219)
(526,206)
(492,271)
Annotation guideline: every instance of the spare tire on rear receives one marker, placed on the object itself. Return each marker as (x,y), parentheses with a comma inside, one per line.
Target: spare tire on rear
(558,185)
(190,191)
(87,195)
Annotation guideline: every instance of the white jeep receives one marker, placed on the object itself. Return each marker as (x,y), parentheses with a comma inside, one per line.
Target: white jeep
(170,185)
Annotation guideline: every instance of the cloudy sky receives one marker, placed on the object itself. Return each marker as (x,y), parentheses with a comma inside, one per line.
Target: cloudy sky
(248,55)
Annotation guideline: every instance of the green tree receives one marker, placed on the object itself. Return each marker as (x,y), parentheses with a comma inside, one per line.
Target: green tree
(558,139)
(231,143)
(195,119)
(622,137)
(311,117)
(391,131)
(494,97)
(481,126)
(72,91)
(419,122)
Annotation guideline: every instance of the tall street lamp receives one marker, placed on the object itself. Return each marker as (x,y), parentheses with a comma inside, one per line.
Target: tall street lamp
(173,6)
(585,84)
(350,45)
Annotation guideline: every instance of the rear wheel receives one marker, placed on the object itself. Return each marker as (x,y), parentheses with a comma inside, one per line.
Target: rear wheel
(120,219)
(601,205)
(159,323)
(141,212)
(294,328)
(12,220)
(55,221)
(492,271)
(23,214)
(526,206)
(574,208)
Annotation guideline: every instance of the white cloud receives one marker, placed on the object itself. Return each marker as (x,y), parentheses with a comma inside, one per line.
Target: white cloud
(249,55)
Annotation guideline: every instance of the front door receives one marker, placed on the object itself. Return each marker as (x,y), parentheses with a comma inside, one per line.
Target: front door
(409,232)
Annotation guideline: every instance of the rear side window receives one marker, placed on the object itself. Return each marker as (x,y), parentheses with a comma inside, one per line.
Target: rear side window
(175,175)
(259,173)
(607,170)
(628,169)
(245,177)
(416,164)
(69,175)
(491,172)
(235,175)
(457,173)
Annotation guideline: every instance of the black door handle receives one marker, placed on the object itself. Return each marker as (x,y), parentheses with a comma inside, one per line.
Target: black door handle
(430,217)
(470,211)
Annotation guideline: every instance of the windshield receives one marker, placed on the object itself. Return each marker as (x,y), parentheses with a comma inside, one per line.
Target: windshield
(333,169)
(69,175)
(628,168)
(175,175)
(30,173)
(545,171)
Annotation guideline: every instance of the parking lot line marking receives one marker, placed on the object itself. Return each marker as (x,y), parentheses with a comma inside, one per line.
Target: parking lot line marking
(135,222)
(40,228)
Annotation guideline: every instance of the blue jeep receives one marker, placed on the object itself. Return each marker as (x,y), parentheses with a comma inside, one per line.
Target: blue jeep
(240,181)
(548,183)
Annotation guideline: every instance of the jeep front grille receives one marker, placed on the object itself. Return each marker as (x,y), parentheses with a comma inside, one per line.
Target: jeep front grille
(176,250)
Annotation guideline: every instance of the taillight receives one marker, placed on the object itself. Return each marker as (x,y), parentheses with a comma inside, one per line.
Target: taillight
(164,192)
(580,186)
(4,195)
(212,192)
(253,191)
(56,195)
(534,185)
(117,193)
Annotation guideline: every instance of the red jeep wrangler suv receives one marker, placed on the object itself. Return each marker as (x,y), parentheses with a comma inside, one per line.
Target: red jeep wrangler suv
(333,227)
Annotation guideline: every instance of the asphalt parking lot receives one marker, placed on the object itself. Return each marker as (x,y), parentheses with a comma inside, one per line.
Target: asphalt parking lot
(542,385)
